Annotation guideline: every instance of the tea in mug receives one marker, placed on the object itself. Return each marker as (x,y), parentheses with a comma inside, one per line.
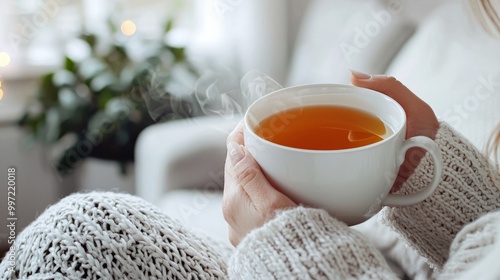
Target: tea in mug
(323,127)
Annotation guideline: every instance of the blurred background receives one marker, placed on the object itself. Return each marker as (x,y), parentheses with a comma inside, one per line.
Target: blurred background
(75,70)
(106,95)
(81,79)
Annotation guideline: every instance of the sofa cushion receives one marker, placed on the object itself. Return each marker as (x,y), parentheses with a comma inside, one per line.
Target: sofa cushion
(454,66)
(197,209)
(340,35)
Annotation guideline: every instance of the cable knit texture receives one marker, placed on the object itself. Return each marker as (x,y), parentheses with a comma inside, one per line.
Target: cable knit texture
(286,247)
(468,189)
(110,236)
(116,236)
(472,244)
(307,244)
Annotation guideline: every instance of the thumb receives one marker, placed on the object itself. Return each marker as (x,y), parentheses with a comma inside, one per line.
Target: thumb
(253,181)
(387,85)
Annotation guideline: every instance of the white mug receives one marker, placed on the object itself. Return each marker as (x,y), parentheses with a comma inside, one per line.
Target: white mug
(351,184)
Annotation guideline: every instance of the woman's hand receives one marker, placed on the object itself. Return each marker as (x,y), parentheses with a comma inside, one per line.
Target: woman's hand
(420,118)
(249,199)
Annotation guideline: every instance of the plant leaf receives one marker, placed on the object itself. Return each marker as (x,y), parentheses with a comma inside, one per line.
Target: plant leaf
(169,25)
(69,64)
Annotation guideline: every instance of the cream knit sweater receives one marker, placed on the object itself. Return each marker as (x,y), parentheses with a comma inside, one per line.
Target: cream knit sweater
(116,236)
(457,229)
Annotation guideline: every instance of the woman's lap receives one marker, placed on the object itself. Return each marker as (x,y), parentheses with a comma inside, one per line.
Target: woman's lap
(111,236)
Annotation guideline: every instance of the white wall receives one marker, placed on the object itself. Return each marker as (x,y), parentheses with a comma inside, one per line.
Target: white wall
(36,186)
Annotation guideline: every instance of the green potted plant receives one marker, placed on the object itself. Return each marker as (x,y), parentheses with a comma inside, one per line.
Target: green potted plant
(96,105)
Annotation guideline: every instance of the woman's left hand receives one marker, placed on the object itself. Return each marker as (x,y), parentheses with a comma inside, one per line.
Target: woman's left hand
(249,199)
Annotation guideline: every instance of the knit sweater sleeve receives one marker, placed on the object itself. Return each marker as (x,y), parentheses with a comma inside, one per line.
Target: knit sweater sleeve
(468,189)
(304,243)
(475,251)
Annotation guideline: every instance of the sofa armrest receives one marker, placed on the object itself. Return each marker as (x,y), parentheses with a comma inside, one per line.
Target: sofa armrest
(179,154)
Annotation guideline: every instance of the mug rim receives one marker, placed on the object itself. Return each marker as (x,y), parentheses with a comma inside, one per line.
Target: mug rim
(325,85)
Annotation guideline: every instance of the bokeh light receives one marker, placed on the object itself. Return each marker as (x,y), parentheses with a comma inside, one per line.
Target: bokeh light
(1,91)
(128,28)
(4,59)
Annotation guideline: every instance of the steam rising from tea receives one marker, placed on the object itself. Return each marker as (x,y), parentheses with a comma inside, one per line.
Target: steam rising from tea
(228,95)
(215,93)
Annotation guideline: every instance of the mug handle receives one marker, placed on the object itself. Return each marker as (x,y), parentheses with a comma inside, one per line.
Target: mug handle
(432,148)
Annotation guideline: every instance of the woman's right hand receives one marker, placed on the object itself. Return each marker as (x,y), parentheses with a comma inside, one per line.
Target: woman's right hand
(420,118)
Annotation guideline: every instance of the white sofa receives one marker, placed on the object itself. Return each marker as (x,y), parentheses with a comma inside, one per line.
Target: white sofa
(431,46)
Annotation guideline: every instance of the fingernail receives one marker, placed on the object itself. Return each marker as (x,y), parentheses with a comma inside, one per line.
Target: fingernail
(236,152)
(360,75)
